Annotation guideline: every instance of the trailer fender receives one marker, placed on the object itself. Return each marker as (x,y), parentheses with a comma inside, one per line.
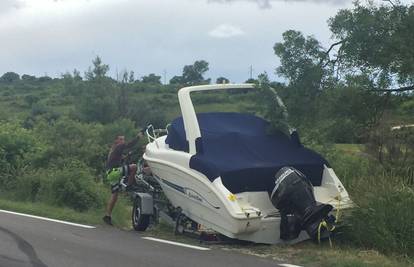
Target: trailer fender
(147,202)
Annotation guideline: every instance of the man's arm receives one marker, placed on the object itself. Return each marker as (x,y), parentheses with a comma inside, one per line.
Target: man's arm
(134,141)
(130,144)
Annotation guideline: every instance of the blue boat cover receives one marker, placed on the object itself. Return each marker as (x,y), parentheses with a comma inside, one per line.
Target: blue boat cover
(237,148)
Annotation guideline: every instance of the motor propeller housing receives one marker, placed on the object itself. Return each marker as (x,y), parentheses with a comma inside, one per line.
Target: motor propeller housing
(294,198)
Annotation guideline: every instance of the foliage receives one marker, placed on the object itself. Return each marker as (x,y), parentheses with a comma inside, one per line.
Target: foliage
(70,139)
(151,78)
(351,114)
(300,59)
(18,149)
(125,127)
(10,77)
(44,79)
(377,38)
(337,100)
(193,74)
(97,101)
(98,71)
(28,78)
(394,149)
(407,108)
(268,105)
(177,80)
(69,184)
(147,112)
(222,80)
(384,218)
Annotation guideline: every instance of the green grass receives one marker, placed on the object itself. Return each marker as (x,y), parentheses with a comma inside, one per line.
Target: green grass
(121,214)
(306,253)
(351,149)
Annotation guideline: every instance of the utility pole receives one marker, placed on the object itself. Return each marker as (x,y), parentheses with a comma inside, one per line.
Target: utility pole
(251,71)
(164,73)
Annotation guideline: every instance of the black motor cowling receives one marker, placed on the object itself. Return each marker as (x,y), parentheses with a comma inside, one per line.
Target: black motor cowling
(293,197)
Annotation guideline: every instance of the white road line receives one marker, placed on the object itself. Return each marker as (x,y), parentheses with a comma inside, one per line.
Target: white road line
(288,265)
(175,243)
(48,219)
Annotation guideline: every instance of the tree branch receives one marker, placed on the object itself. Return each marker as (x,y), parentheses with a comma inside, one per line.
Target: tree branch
(333,45)
(389,1)
(401,89)
(329,51)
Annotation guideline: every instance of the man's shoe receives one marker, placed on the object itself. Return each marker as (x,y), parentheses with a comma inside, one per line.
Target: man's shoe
(107,219)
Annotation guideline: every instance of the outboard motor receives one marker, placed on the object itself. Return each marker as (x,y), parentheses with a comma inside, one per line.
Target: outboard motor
(293,197)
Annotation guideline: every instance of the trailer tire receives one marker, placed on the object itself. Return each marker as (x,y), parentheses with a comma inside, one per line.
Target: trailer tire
(140,221)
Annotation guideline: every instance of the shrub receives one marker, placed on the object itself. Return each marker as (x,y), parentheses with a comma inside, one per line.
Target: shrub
(407,108)
(18,148)
(74,187)
(29,185)
(124,127)
(384,218)
(147,112)
(70,184)
(71,139)
(394,149)
(97,101)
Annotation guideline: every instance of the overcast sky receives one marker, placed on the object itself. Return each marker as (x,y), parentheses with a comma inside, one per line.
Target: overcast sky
(55,36)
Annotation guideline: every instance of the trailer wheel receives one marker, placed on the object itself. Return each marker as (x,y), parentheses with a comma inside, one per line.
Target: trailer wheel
(180,224)
(140,221)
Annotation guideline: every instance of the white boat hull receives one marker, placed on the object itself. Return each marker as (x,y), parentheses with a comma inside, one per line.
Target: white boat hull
(205,202)
(246,216)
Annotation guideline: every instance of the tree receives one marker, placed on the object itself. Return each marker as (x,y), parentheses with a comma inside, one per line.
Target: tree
(98,71)
(222,80)
(66,76)
(27,78)
(97,101)
(151,78)
(377,40)
(251,80)
(131,77)
(76,75)
(31,99)
(177,80)
(300,59)
(193,74)
(44,79)
(125,76)
(9,77)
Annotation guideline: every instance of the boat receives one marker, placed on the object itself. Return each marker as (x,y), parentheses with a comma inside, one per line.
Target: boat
(224,171)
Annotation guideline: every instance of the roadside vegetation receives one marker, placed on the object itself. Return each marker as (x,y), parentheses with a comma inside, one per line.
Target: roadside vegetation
(55,133)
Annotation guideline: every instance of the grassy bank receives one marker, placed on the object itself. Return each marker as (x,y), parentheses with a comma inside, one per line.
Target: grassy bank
(121,214)
(306,254)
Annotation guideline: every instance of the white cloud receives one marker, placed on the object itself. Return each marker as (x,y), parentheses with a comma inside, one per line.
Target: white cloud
(226,31)
(265,4)
(45,36)
(9,5)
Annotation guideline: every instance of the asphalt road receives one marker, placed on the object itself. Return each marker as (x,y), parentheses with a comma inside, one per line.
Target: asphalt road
(32,242)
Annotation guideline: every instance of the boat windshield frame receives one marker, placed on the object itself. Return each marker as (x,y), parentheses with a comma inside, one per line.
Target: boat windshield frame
(191,126)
